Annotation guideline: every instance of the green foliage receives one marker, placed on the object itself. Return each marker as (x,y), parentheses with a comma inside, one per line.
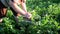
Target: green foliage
(45,19)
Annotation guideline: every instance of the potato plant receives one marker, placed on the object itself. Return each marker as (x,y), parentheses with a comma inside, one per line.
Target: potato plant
(45,19)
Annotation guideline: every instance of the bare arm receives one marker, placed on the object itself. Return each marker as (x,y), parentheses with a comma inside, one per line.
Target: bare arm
(23,4)
(16,8)
(19,10)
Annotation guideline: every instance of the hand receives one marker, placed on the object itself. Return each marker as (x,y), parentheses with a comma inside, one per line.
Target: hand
(28,16)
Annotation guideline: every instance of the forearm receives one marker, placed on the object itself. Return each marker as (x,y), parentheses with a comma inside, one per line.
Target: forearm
(23,4)
(17,9)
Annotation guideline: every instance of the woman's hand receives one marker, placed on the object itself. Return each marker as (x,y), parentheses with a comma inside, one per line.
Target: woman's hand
(28,16)
(19,10)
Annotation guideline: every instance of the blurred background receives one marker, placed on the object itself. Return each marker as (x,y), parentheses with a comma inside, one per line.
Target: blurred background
(45,19)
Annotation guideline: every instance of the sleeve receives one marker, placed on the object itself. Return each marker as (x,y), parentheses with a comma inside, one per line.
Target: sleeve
(5,2)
